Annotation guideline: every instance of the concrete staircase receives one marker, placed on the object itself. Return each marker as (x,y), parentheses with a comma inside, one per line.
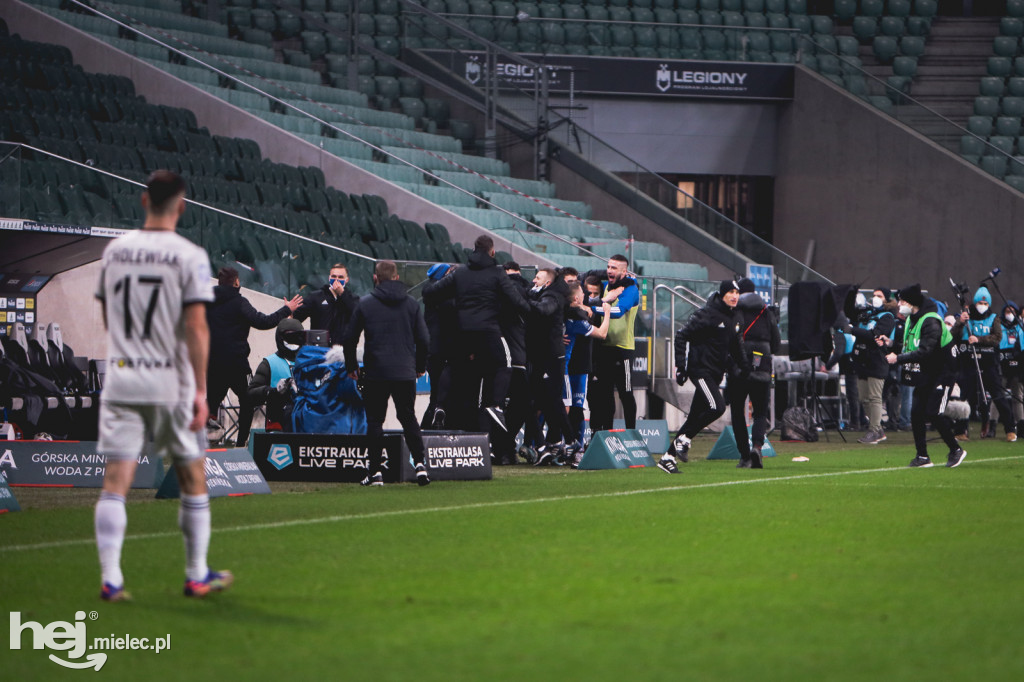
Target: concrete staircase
(948,74)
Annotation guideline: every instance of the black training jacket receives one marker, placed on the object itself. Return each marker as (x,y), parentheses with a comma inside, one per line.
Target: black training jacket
(230,317)
(395,348)
(479,289)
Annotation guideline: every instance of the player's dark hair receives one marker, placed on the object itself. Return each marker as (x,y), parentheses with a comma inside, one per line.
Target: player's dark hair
(226,277)
(483,243)
(619,257)
(163,186)
(386,271)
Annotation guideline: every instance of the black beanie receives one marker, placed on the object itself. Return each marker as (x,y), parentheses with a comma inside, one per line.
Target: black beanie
(912,295)
(726,286)
(886,294)
(746,286)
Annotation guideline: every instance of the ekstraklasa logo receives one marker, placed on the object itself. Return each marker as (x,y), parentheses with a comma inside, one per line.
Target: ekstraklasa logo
(72,638)
(280,456)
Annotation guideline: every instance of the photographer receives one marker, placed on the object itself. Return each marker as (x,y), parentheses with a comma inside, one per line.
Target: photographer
(978,332)
(874,325)
(1010,348)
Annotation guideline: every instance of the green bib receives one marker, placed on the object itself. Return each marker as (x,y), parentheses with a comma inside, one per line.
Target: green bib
(912,335)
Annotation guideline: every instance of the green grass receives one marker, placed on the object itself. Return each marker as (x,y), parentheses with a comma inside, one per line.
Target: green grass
(846,567)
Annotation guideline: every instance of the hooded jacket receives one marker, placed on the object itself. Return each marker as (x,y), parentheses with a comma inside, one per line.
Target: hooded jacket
(545,326)
(513,324)
(396,335)
(230,317)
(480,290)
(709,339)
(759,331)
(326,312)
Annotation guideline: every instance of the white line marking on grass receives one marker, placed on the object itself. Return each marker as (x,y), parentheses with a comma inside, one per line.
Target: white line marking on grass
(485,505)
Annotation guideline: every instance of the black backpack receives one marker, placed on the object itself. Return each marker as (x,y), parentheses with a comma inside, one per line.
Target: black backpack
(797,424)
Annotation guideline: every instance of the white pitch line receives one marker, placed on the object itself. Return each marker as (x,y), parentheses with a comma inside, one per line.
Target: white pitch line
(482,505)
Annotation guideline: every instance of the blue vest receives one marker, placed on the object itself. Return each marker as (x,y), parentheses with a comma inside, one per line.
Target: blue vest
(279,368)
(979,328)
(872,322)
(1011,337)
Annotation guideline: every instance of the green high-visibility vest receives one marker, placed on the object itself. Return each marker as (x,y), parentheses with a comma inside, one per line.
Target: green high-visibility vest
(912,335)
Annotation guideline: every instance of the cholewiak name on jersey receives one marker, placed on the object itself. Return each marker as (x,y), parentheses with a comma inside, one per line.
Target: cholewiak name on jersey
(143,256)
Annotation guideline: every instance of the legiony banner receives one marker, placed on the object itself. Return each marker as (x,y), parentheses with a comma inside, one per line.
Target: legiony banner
(632,76)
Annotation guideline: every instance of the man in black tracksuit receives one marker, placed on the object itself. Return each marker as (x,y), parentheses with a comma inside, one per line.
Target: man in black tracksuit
(394,355)
(480,290)
(230,317)
(929,365)
(442,326)
(331,307)
(703,350)
(545,347)
(520,402)
(759,331)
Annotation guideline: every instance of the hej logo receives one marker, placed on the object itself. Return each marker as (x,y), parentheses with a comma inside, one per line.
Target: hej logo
(59,636)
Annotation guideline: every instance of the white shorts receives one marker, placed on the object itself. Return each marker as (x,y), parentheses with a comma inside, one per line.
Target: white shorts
(125,428)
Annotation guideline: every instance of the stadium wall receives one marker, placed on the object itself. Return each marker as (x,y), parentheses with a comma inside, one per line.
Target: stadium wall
(884,205)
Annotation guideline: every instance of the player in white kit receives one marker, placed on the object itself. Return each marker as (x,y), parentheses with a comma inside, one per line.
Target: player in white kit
(154,286)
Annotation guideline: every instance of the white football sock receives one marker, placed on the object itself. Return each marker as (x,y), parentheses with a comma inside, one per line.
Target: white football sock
(194,521)
(111,519)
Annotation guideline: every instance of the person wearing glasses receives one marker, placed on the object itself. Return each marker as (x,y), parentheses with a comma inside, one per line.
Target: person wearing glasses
(331,307)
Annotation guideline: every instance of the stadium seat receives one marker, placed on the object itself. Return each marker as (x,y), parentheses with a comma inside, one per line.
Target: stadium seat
(980,125)
(1008,126)
(865,28)
(986,106)
(1005,46)
(1001,67)
(1012,106)
(990,86)
(885,48)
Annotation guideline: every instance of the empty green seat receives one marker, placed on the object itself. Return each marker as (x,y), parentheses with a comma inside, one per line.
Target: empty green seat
(990,86)
(980,125)
(1005,46)
(885,48)
(1008,126)
(1000,66)
(1012,106)
(986,106)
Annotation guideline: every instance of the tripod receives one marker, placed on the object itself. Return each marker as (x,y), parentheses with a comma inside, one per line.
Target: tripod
(817,403)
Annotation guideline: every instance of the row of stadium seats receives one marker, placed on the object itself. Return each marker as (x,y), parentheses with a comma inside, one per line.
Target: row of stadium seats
(346,148)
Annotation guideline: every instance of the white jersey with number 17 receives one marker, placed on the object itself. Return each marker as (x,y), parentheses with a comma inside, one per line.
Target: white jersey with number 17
(147,279)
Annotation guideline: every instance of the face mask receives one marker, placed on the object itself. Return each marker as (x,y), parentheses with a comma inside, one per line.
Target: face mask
(1009,317)
(982,308)
(536,288)
(877,301)
(905,310)
(291,346)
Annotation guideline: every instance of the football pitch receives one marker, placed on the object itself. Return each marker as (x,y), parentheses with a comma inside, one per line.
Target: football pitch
(849,566)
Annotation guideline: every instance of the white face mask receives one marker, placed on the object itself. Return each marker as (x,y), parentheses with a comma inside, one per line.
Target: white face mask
(905,310)
(291,346)
(877,301)
(1010,318)
(982,308)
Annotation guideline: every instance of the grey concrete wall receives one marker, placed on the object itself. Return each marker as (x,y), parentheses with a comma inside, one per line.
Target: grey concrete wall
(678,136)
(885,205)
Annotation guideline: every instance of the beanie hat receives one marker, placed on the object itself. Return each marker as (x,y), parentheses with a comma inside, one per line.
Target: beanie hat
(746,286)
(886,294)
(912,295)
(726,286)
(982,294)
(438,270)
